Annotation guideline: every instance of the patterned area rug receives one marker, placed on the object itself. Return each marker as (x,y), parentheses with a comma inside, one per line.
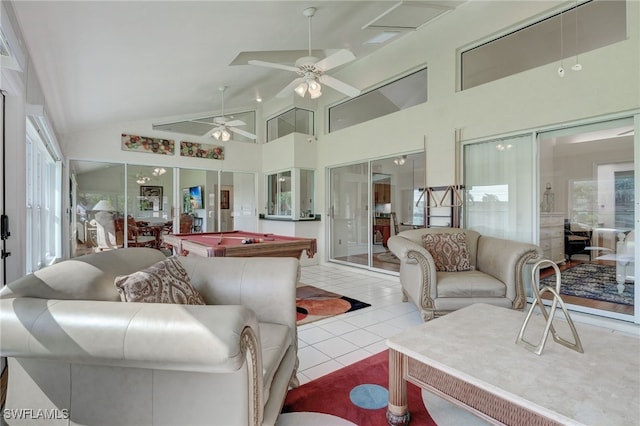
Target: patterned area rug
(592,281)
(313,304)
(357,393)
(388,257)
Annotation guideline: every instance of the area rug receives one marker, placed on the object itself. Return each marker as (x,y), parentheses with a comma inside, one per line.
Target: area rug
(388,257)
(313,304)
(591,281)
(357,393)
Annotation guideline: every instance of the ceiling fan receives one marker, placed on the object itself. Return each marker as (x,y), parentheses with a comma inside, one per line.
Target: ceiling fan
(224,127)
(312,71)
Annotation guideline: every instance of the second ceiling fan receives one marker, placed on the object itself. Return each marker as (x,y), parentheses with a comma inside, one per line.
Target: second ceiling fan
(312,71)
(225,127)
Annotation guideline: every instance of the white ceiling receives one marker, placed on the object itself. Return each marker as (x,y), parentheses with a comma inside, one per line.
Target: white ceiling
(114,61)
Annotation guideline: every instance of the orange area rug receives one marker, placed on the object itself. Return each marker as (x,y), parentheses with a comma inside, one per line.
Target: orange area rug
(313,304)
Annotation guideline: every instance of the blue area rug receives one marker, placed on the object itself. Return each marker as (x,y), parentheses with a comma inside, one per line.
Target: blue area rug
(597,282)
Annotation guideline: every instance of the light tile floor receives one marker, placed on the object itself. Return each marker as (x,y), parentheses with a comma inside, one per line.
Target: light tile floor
(330,344)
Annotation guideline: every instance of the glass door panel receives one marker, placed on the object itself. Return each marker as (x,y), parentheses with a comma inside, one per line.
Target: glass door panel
(196,210)
(97,197)
(349,211)
(590,172)
(238,209)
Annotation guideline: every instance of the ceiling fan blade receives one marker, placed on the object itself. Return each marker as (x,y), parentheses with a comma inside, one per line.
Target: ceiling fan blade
(342,56)
(289,89)
(220,120)
(273,65)
(243,133)
(339,85)
(234,123)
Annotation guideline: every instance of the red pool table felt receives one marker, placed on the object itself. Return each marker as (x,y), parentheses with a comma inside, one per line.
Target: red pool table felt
(231,244)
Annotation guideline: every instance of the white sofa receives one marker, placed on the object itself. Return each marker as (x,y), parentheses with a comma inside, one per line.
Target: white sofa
(76,350)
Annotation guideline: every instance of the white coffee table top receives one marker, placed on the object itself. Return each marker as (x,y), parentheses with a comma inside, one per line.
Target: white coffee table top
(477,344)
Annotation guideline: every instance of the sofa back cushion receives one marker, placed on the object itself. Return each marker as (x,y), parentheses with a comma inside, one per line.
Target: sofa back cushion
(449,251)
(88,277)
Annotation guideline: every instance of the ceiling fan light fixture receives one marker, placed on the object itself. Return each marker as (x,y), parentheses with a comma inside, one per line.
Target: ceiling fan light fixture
(400,160)
(301,89)
(225,135)
(315,89)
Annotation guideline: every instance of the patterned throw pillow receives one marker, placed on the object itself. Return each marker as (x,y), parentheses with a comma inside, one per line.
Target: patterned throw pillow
(449,251)
(165,282)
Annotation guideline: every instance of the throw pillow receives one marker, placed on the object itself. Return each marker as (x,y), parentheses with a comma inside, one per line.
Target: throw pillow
(165,282)
(449,251)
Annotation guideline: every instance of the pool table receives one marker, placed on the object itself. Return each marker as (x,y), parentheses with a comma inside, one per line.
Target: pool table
(235,244)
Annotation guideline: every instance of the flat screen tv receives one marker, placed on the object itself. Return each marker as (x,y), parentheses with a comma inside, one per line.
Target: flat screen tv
(195,197)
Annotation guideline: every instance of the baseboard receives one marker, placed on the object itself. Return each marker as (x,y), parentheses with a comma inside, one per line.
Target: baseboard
(4,380)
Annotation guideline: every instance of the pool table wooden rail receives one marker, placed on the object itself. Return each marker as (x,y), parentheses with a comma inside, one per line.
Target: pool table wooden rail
(272,246)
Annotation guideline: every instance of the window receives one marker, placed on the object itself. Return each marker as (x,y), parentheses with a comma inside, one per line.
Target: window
(44,183)
(295,120)
(401,94)
(580,29)
(279,194)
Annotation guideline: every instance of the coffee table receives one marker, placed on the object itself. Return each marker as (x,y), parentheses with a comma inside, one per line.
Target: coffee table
(470,358)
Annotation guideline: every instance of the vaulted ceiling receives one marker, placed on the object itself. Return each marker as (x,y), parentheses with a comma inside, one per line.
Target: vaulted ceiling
(102,62)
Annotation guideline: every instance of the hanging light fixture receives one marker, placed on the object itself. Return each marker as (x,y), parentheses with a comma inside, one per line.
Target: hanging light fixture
(400,160)
(577,66)
(561,67)
(159,171)
(310,83)
(222,133)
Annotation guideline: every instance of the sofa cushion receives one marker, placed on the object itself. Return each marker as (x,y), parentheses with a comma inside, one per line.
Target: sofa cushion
(449,251)
(164,282)
(469,284)
(275,339)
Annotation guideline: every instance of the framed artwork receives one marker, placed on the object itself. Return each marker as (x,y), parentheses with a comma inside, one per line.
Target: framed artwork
(150,198)
(224,199)
(201,150)
(146,144)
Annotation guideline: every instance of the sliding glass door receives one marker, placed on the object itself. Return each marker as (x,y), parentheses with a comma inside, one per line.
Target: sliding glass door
(349,213)
(590,173)
(370,202)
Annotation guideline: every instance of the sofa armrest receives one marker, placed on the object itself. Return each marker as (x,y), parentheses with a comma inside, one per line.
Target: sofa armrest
(505,260)
(145,335)
(266,285)
(417,270)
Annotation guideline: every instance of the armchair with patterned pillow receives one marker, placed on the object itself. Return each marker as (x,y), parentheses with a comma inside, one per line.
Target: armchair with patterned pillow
(445,269)
(130,337)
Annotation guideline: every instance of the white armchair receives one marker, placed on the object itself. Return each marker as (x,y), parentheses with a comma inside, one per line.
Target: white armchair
(496,274)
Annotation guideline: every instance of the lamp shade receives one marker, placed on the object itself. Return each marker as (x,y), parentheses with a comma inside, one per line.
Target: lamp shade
(104,206)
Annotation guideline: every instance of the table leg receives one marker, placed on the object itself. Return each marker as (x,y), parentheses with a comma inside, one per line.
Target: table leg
(397,411)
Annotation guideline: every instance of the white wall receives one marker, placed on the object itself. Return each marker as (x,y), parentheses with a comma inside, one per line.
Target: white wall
(608,84)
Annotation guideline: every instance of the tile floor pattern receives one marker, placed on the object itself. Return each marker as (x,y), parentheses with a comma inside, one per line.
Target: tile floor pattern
(330,344)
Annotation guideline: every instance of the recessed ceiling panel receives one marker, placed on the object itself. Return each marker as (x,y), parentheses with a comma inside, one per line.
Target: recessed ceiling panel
(410,15)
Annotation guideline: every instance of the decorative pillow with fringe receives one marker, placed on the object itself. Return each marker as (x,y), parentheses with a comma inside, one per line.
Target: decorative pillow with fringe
(165,282)
(449,251)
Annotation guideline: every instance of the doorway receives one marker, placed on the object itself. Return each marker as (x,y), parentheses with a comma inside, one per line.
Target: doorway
(590,172)
(369,203)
